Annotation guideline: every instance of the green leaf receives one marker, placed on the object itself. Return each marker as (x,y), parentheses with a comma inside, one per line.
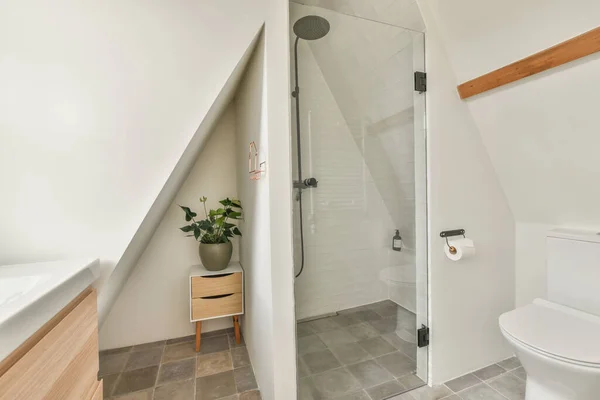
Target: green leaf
(234,215)
(196,233)
(236,203)
(237,231)
(188,228)
(204,225)
(189,214)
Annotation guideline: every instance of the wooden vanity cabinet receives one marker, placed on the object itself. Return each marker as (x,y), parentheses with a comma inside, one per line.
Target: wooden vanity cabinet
(60,360)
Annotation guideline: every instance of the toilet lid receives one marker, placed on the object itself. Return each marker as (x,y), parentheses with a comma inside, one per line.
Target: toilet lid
(555,329)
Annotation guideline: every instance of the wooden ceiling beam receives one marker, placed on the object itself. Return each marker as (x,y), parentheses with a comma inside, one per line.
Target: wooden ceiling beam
(570,50)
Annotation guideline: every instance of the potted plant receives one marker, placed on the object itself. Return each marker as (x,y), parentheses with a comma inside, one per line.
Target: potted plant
(214,232)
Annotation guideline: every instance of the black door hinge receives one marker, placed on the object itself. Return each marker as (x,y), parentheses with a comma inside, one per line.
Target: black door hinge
(423,336)
(420,82)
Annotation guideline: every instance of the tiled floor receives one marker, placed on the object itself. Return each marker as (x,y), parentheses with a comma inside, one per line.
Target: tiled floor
(172,370)
(502,381)
(365,353)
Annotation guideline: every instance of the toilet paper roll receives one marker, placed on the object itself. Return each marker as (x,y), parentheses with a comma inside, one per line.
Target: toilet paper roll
(464,249)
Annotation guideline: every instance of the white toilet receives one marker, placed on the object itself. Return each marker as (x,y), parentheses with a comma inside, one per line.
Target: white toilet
(558,340)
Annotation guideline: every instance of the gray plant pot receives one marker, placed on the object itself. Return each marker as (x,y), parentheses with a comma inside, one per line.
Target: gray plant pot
(215,257)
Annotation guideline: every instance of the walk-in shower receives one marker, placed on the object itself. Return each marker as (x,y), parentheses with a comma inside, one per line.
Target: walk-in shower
(311,27)
(360,137)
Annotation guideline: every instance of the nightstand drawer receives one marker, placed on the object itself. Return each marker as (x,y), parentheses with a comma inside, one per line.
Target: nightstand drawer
(216,307)
(203,286)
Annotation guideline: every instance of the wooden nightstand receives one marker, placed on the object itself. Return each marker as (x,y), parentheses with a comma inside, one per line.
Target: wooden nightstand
(216,294)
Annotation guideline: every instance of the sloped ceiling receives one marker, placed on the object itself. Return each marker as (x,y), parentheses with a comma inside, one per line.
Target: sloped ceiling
(541,132)
(99,102)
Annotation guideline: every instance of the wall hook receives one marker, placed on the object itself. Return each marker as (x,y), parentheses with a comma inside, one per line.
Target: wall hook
(255,169)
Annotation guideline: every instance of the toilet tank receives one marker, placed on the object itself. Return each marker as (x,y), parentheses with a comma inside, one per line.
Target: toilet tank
(573,261)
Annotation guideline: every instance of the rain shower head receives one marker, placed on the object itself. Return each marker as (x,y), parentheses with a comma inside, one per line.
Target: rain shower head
(311,27)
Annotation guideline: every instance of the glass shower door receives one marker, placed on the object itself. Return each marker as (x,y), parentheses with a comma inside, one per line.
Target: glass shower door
(359,298)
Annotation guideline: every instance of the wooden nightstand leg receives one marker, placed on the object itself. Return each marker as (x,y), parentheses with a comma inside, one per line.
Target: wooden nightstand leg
(198,333)
(236,325)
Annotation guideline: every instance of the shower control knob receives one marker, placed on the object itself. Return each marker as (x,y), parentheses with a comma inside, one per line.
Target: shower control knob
(311,182)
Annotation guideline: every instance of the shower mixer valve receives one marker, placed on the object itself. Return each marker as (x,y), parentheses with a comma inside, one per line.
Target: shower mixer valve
(306,183)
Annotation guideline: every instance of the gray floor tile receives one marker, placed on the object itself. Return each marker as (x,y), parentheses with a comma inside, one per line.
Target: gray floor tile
(480,392)
(369,373)
(182,390)
(366,315)
(410,382)
(240,357)
(310,344)
(320,361)
(452,397)
(179,351)
(116,351)
(336,337)
(307,390)
(109,384)
(385,390)
(141,395)
(244,379)
(410,349)
(112,363)
(362,395)
(182,339)
(323,325)
(232,397)
(350,353)
(519,373)
(385,325)
(463,382)
(509,386)
(489,372)
(214,363)
(302,368)
(219,332)
(344,320)
(386,308)
(232,342)
(377,346)
(355,309)
(250,395)
(144,358)
(177,371)
(362,331)
(147,346)
(304,329)
(214,344)
(510,363)
(428,393)
(138,379)
(215,386)
(397,364)
(334,383)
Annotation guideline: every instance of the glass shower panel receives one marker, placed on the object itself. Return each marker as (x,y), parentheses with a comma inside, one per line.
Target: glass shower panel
(362,137)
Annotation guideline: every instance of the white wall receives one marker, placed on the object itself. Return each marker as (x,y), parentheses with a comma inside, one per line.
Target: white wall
(157,293)
(540,132)
(257,323)
(94,120)
(277,64)
(467,297)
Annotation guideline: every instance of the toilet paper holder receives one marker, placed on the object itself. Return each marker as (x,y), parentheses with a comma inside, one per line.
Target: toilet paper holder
(454,232)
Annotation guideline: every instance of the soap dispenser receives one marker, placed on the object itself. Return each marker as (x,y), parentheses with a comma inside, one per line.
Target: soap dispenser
(397,241)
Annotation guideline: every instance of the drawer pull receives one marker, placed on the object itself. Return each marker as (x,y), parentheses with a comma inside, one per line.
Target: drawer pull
(218,276)
(219,296)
